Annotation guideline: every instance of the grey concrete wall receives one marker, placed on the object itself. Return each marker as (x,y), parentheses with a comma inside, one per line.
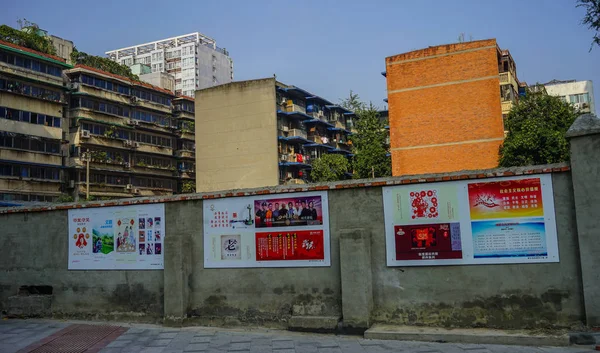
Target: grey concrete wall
(358,285)
(506,296)
(35,252)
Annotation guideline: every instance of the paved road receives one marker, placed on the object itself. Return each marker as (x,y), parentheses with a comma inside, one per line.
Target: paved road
(18,334)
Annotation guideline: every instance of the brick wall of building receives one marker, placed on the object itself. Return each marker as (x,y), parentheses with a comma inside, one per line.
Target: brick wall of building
(444,106)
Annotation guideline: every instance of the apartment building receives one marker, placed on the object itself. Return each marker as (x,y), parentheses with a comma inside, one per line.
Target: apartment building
(578,93)
(446,106)
(32,102)
(127,133)
(262,133)
(193,59)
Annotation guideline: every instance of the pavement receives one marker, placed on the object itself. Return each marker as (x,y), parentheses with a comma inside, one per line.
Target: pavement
(76,336)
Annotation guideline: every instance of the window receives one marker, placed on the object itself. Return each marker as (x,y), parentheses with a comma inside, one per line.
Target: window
(579,98)
(29,117)
(187,62)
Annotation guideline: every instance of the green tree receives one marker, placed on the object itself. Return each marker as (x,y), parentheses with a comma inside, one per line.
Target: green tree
(592,18)
(536,131)
(28,39)
(100,63)
(188,187)
(330,167)
(369,145)
(352,103)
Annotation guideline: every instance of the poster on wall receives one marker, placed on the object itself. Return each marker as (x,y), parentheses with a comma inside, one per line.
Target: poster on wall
(117,238)
(492,221)
(285,230)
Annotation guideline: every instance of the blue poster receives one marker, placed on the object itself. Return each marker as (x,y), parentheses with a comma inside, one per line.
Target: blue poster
(523,237)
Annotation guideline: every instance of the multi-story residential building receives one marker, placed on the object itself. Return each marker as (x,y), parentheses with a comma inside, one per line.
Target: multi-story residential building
(262,133)
(194,59)
(127,132)
(185,149)
(32,102)
(446,106)
(578,93)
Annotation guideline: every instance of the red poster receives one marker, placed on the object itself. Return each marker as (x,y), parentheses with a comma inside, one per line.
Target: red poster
(428,241)
(290,245)
(506,199)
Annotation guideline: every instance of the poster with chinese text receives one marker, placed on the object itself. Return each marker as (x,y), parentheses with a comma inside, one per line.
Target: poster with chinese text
(499,220)
(286,230)
(116,238)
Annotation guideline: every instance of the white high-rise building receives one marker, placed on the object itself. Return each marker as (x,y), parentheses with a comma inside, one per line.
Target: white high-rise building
(193,59)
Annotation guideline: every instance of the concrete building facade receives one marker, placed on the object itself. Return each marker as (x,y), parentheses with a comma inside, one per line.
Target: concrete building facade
(446,106)
(263,133)
(128,132)
(193,59)
(578,93)
(32,128)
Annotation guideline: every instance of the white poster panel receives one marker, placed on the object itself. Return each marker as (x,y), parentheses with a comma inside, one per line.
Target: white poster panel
(487,221)
(117,238)
(283,230)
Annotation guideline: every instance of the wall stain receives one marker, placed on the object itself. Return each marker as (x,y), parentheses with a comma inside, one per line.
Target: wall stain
(514,310)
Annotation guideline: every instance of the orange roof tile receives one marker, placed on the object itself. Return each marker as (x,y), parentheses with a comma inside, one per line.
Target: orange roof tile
(49,56)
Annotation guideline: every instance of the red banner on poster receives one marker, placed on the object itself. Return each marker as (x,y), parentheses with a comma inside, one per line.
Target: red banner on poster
(428,241)
(506,199)
(290,245)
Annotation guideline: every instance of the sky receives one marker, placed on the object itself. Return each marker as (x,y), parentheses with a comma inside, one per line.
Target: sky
(331,47)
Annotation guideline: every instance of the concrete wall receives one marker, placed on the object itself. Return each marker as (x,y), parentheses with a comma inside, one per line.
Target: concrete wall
(358,286)
(236,136)
(36,254)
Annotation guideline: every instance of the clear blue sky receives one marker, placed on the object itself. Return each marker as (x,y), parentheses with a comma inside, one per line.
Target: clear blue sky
(329,47)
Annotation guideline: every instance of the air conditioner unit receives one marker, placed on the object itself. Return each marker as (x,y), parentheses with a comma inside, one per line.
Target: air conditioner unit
(133,99)
(136,145)
(73,85)
(127,143)
(285,128)
(133,122)
(127,165)
(577,106)
(136,191)
(284,157)
(129,186)
(85,134)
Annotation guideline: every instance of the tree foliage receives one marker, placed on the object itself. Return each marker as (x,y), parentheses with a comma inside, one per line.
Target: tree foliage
(330,167)
(592,18)
(188,187)
(369,145)
(536,131)
(352,103)
(27,39)
(100,63)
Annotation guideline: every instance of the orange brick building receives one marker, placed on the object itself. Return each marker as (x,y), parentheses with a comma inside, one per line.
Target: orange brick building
(445,107)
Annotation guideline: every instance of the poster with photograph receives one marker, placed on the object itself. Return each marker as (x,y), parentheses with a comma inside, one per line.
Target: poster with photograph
(286,230)
(116,238)
(500,220)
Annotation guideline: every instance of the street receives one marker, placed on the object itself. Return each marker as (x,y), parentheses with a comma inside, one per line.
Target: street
(58,336)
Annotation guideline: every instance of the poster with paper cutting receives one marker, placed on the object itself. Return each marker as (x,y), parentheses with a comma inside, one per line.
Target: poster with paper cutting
(492,221)
(286,230)
(116,238)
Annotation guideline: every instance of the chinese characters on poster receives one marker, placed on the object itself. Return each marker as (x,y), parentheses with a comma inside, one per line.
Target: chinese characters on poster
(116,238)
(288,230)
(503,220)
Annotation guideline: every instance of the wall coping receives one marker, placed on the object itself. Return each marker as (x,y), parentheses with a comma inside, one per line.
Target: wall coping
(346,184)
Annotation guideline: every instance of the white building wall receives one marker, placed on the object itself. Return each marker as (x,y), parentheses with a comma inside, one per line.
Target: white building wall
(569,89)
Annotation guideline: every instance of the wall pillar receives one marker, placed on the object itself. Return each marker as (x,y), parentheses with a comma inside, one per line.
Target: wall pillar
(357,278)
(584,136)
(178,258)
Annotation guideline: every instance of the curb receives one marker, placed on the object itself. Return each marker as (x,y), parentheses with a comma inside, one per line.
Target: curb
(473,336)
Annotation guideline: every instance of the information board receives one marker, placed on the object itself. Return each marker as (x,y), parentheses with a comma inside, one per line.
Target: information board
(500,220)
(117,238)
(286,230)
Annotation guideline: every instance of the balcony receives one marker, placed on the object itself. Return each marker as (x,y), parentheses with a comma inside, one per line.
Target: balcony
(506,106)
(185,154)
(507,78)
(297,132)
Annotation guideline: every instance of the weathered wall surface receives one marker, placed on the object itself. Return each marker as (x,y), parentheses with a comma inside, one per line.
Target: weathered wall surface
(35,252)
